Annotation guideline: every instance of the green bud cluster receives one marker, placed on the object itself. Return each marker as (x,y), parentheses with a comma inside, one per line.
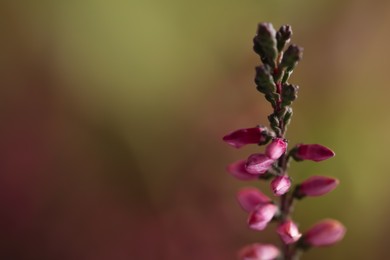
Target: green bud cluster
(272,76)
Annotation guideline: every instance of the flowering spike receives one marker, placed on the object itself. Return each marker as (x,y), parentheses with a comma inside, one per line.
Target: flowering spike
(276,148)
(325,233)
(313,152)
(259,251)
(316,186)
(288,232)
(241,137)
(259,217)
(271,79)
(280,185)
(249,198)
(258,163)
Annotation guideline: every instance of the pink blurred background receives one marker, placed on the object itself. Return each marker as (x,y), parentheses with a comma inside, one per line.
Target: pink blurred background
(112,114)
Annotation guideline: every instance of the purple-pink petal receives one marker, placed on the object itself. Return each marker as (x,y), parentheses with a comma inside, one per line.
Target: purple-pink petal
(317,186)
(259,251)
(238,170)
(245,136)
(258,163)
(325,233)
(276,148)
(249,198)
(313,152)
(280,185)
(288,232)
(261,216)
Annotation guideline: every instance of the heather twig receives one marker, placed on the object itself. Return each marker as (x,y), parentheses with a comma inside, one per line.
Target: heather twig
(272,76)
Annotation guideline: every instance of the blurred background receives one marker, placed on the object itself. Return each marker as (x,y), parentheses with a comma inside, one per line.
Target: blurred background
(112,114)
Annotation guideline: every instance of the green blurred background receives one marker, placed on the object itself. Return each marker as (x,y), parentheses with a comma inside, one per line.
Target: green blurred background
(112,114)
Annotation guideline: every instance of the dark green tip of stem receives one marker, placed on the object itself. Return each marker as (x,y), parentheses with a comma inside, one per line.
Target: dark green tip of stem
(286,76)
(283,36)
(263,77)
(274,120)
(267,176)
(287,116)
(286,31)
(296,194)
(301,244)
(282,112)
(277,130)
(289,92)
(268,136)
(257,47)
(291,56)
(266,30)
(270,99)
(293,154)
(265,43)
(261,89)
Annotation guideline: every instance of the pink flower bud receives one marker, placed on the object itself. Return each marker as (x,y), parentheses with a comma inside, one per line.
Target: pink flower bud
(325,233)
(288,232)
(259,252)
(317,186)
(280,185)
(259,218)
(249,198)
(246,136)
(313,152)
(276,148)
(238,170)
(258,163)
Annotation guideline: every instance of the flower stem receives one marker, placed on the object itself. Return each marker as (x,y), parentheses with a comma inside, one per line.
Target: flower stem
(286,206)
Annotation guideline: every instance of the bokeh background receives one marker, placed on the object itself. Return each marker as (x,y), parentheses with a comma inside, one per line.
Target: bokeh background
(112,114)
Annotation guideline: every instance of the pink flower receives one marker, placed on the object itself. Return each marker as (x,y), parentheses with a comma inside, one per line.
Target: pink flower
(249,198)
(325,233)
(317,186)
(259,217)
(288,232)
(238,170)
(259,252)
(313,152)
(280,185)
(276,148)
(246,136)
(258,163)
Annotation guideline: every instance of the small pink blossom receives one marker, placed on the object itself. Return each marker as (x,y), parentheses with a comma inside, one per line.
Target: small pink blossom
(259,217)
(317,186)
(276,148)
(259,251)
(325,233)
(258,163)
(280,185)
(249,198)
(238,170)
(246,136)
(313,152)
(288,232)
